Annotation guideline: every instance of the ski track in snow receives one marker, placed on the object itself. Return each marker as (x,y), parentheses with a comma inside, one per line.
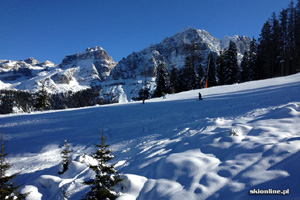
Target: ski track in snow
(174,148)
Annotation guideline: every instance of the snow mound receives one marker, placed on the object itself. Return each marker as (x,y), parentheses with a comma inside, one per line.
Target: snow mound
(33,192)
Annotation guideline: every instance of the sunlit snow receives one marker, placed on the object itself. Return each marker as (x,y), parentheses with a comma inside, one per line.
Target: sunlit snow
(174,148)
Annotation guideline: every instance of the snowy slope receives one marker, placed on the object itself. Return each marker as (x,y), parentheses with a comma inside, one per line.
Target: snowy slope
(175,148)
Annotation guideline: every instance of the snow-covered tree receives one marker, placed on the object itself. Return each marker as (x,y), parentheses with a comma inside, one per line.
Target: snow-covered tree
(65,155)
(105,174)
(8,189)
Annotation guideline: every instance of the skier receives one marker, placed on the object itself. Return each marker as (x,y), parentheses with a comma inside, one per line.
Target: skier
(200,97)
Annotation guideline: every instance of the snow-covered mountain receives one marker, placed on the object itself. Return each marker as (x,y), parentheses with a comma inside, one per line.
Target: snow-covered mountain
(95,67)
(130,74)
(76,72)
(172,149)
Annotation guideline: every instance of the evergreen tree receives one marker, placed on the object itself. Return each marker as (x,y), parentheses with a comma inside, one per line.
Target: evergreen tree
(283,42)
(174,81)
(264,52)
(162,81)
(231,69)
(297,37)
(291,49)
(253,59)
(6,104)
(144,93)
(211,73)
(221,69)
(188,76)
(275,46)
(245,68)
(8,190)
(65,157)
(200,77)
(43,100)
(106,176)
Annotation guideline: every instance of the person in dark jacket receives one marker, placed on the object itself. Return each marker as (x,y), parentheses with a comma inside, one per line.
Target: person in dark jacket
(200,97)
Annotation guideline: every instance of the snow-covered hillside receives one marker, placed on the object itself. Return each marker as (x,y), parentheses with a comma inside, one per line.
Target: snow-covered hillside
(174,148)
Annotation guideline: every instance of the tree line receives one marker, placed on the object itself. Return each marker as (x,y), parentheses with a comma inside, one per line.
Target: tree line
(42,100)
(276,53)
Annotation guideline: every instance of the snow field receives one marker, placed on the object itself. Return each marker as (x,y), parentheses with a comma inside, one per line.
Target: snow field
(175,148)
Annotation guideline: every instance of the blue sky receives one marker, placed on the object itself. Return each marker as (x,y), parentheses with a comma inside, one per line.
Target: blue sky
(51,29)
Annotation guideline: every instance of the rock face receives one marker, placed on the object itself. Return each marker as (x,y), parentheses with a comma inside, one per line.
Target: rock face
(93,60)
(95,67)
(242,43)
(172,51)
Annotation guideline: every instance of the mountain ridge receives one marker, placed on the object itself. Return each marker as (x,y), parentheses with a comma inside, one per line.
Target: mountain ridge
(95,68)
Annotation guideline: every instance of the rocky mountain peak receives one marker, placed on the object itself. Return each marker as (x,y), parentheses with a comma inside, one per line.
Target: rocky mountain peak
(31,61)
(94,59)
(96,48)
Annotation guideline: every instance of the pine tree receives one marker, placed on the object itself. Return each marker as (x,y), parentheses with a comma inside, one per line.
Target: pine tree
(211,74)
(283,42)
(174,81)
(8,190)
(253,59)
(188,76)
(245,68)
(291,49)
(65,157)
(275,46)
(106,176)
(221,69)
(231,69)
(162,81)
(6,104)
(144,93)
(297,37)
(200,77)
(43,100)
(264,52)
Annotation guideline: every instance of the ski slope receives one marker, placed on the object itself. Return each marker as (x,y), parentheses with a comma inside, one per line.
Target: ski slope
(175,148)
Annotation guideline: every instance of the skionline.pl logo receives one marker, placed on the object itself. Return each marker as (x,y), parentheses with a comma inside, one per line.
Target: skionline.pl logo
(269,191)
